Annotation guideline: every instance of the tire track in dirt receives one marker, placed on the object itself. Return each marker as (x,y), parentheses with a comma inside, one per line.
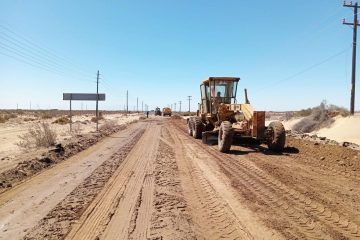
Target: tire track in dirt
(171,218)
(216,215)
(58,222)
(310,218)
(111,214)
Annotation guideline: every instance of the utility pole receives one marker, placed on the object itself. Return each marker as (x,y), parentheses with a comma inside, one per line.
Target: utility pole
(180,107)
(137,105)
(355,24)
(142,106)
(97,101)
(127,101)
(175,107)
(189,98)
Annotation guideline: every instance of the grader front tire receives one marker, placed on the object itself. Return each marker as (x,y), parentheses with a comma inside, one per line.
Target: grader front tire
(278,136)
(190,126)
(225,137)
(198,127)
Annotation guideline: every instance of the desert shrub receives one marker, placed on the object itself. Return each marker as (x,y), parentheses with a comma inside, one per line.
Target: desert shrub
(336,110)
(38,135)
(48,115)
(12,115)
(93,119)
(2,119)
(62,120)
(29,119)
(320,117)
(76,128)
(108,125)
(303,112)
(5,117)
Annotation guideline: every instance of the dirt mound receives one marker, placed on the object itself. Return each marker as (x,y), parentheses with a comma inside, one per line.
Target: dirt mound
(176,116)
(26,169)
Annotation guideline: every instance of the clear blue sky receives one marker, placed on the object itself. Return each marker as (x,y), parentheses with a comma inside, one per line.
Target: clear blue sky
(160,51)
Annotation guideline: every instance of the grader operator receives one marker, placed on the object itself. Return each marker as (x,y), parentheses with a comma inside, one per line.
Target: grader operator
(220,115)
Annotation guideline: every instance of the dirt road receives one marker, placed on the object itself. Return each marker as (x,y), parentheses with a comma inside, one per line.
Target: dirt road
(153,181)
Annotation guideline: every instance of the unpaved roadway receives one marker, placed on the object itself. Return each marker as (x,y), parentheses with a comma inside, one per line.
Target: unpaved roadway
(153,181)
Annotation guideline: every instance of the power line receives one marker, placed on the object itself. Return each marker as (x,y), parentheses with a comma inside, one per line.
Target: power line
(35,53)
(50,53)
(32,54)
(306,69)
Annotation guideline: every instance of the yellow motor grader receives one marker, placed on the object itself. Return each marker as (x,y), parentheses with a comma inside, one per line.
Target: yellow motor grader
(219,114)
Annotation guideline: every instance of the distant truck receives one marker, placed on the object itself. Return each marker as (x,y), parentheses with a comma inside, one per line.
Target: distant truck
(166,111)
(157,112)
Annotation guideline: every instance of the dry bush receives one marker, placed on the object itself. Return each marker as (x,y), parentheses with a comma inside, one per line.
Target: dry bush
(336,110)
(303,112)
(38,135)
(93,119)
(29,119)
(48,115)
(108,125)
(76,128)
(62,120)
(320,117)
(5,117)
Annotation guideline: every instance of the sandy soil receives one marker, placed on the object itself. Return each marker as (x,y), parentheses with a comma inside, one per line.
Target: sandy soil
(343,129)
(153,181)
(11,153)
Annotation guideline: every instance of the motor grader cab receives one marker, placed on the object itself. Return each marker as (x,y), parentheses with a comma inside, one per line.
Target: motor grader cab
(220,114)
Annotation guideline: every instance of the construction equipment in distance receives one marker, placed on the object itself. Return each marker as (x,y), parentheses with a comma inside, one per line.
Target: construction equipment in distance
(166,111)
(157,111)
(220,115)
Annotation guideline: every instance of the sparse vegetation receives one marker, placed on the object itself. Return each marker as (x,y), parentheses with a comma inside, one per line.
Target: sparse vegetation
(38,135)
(93,119)
(107,125)
(5,117)
(320,117)
(62,120)
(76,129)
(48,115)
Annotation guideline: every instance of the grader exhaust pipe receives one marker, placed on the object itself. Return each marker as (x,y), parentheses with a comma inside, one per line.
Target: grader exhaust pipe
(246,97)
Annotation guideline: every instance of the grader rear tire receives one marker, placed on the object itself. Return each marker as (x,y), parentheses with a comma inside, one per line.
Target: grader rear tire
(277,141)
(225,137)
(198,127)
(190,126)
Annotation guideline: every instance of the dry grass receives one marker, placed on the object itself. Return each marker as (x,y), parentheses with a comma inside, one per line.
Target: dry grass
(62,120)
(6,116)
(108,125)
(320,117)
(93,119)
(38,135)
(48,114)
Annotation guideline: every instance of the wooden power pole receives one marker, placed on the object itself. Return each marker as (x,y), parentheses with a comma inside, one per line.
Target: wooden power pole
(97,101)
(355,24)
(127,101)
(189,98)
